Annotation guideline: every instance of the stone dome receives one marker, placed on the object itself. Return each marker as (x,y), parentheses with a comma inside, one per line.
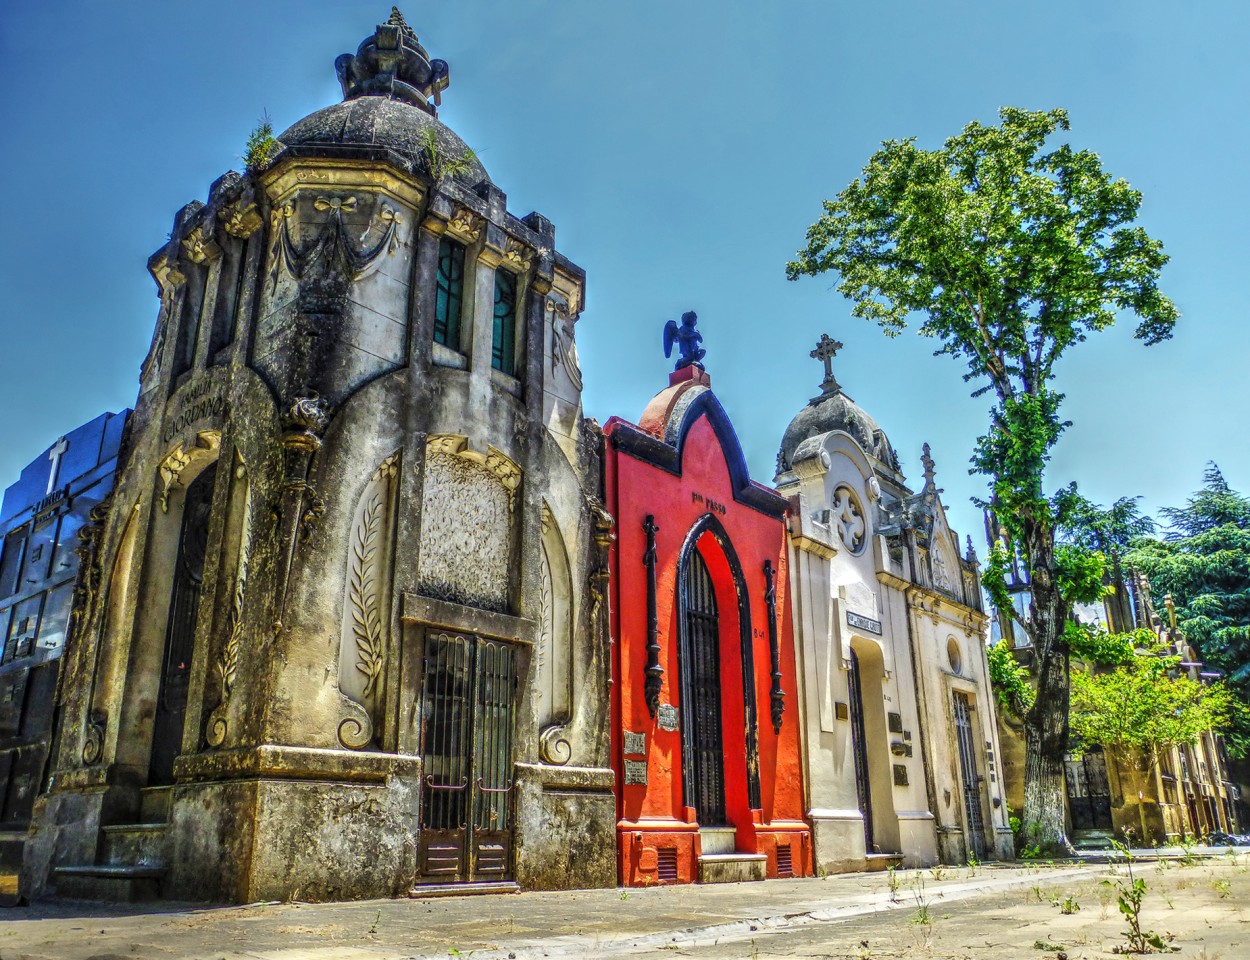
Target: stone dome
(382,123)
(834,410)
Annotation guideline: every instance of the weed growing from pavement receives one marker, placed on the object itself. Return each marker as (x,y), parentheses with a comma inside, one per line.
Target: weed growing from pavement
(1129,896)
(1067,905)
(894,883)
(924,915)
(1222,889)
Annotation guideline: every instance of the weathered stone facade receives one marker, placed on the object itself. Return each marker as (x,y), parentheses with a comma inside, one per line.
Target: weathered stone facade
(895,698)
(358,509)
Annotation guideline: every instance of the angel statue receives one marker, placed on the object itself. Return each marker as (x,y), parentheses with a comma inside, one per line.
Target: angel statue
(687,339)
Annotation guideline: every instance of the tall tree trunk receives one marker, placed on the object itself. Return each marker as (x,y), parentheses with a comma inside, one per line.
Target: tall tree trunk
(1046,723)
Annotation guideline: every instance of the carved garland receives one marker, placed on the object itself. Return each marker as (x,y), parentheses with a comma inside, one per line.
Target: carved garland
(365,597)
(228,664)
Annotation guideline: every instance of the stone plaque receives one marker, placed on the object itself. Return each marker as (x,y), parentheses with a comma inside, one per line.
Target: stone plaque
(841,710)
(895,722)
(635,743)
(900,775)
(466,532)
(667,716)
(636,772)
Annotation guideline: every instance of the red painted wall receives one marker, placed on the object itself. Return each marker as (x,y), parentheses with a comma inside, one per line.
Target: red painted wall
(654,816)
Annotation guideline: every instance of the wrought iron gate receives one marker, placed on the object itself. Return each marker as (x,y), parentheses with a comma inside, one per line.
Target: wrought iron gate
(859,747)
(1089,794)
(703,771)
(968,774)
(466,809)
(184,606)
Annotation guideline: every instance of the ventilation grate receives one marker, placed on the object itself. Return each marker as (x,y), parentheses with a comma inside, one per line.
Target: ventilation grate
(785,861)
(667,864)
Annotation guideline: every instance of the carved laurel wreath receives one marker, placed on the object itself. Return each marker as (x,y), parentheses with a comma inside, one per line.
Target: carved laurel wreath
(363,594)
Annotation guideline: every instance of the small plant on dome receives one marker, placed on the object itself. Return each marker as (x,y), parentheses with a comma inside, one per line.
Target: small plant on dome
(260,146)
(438,163)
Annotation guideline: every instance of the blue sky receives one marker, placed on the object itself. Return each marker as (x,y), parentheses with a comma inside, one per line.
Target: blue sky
(681,149)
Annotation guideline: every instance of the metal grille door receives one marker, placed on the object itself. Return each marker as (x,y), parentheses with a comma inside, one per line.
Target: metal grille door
(184,606)
(702,747)
(860,747)
(470,697)
(968,774)
(1089,794)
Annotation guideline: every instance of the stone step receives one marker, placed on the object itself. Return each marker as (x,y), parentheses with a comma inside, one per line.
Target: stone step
(732,867)
(12,843)
(716,840)
(424,890)
(111,883)
(154,804)
(875,862)
(133,845)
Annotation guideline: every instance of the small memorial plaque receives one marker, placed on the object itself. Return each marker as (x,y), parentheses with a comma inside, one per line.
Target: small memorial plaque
(895,722)
(667,716)
(900,775)
(636,771)
(635,743)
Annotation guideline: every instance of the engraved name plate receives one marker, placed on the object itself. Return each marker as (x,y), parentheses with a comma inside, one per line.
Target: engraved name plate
(635,743)
(636,772)
(667,716)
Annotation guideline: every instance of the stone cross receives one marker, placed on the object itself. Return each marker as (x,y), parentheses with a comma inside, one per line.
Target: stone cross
(826,349)
(55,454)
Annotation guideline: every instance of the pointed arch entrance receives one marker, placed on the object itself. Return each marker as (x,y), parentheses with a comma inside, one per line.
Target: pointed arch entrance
(702,746)
(184,605)
(720,774)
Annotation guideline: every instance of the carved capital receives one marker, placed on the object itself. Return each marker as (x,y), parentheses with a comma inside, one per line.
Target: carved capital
(464,225)
(170,468)
(517,255)
(240,220)
(304,422)
(167,275)
(200,245)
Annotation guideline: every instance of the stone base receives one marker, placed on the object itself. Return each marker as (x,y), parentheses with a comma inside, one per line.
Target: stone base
(111,883)
(565,827)
(732,867)
(837,842)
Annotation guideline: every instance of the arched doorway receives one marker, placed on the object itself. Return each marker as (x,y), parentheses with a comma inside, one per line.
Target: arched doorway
(859,746)
(702,743)
(184,604)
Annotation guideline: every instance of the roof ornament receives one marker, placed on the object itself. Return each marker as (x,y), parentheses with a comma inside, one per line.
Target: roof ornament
(826,349)
(687,340)
(929,472)
(392,63)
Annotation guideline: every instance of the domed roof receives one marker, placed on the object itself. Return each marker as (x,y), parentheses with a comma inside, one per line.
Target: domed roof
(380,122)
(834,410)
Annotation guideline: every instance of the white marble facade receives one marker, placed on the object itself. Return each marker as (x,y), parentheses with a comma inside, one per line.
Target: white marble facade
(880,590)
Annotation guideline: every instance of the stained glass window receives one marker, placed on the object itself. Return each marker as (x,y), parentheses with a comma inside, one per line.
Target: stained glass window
(503,340)
(450,293)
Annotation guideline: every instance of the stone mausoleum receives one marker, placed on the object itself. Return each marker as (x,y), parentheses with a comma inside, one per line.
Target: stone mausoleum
(901,747)
(706,733)
(44,564)
(350,633)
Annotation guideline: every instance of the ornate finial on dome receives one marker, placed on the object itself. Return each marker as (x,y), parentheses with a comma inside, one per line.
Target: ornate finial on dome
(826,349)
(929,472)
(687,340)
(391,63)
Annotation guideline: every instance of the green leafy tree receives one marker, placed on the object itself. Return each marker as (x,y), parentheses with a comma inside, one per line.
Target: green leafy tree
(1010,252)
(1203,562)
(1144,707)
(1110,531)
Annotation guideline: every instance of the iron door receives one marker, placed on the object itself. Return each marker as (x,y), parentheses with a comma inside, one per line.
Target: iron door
(468,710)
(1089,794)
(969,776)
(184,606)
(703,771)
(859,746)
